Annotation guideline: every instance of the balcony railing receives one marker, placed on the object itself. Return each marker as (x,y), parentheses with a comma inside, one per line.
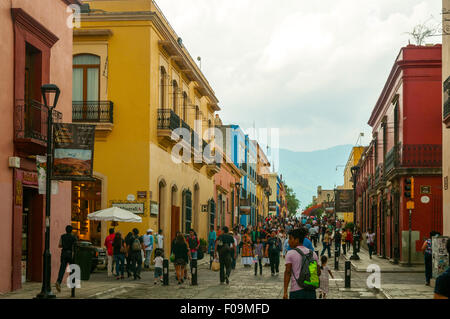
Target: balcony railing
(446,111)
(391,159)
(168,120)
(421,155)
(92,111)
(30,121)
(378,173)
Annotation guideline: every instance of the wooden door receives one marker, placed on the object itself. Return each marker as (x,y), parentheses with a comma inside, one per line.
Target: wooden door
(175,221)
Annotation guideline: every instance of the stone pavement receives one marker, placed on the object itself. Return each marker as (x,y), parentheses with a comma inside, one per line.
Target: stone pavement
(398,281)
(243,285)
(385,265)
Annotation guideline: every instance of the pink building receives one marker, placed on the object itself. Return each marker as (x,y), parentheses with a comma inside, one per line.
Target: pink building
(225,194)
(36,49)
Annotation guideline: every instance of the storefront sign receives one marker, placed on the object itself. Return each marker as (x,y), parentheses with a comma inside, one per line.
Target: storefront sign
(18,193)
(344,201)
(135,208)
(74,151)
(30,178)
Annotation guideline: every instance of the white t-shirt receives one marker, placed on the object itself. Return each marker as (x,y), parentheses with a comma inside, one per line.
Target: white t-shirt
(160,241)
(159,262)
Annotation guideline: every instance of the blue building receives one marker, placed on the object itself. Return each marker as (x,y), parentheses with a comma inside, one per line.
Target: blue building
(235,145)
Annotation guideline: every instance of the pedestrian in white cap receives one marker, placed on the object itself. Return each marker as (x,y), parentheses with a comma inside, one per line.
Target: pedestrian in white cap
(148,244)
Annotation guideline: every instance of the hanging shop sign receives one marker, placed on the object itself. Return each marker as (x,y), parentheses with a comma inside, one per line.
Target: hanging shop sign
(344,201)
(73,151)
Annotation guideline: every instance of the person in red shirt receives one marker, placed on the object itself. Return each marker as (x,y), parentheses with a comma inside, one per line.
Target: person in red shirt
(109,246)
(349,239)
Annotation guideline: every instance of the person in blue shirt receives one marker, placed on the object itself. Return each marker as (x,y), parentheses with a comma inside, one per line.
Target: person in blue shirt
(211,240)
(306,242)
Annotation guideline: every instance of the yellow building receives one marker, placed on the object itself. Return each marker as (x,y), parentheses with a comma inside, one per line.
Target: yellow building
(352,161)
(139,85)
(263,190)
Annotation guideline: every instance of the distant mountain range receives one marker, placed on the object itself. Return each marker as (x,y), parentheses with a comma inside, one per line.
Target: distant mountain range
(304,171)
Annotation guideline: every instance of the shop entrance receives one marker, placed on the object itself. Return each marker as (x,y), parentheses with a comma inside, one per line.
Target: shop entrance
(86,199)
(32,235)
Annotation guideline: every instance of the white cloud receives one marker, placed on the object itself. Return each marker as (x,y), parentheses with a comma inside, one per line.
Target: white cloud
(314,69)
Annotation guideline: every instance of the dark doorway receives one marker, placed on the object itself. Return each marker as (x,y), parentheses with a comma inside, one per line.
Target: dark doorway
(32,235)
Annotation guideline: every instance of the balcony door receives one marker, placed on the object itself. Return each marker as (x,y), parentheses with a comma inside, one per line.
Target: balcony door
(86,87)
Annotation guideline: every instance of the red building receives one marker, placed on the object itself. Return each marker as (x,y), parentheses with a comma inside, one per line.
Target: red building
(407,142)
(36,49)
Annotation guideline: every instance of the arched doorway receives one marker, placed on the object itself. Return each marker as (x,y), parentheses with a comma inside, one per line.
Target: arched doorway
(187,210)
(196,208)
(175,213)
(161,203)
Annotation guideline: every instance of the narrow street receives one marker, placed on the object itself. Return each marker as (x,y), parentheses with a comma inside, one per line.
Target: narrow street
(243,285)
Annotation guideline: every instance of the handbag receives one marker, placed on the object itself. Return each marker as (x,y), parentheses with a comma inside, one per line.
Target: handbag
(172,258)
(215,265)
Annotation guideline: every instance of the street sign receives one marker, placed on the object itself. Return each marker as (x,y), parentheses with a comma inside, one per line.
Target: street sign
(409,205)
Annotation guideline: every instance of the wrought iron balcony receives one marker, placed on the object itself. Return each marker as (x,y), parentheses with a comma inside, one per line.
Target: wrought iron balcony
(446,110)
(392,158)
(30,125)
(378,174)
(168,120)
(92,111)
(421,155)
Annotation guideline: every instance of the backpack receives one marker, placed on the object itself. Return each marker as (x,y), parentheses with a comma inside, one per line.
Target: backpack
(308,278)
(136,245)
(223,248)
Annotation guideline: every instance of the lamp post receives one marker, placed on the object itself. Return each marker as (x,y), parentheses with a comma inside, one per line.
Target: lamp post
(238,187)
(50,90)
(354,170)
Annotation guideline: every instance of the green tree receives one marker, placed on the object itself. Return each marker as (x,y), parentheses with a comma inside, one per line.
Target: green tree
(292,202)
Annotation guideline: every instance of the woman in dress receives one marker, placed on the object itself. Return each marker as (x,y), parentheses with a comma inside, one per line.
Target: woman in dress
(247,251)
(182,255)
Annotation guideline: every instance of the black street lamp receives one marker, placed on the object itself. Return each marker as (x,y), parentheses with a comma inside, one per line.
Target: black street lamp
(238,187)
(48,90)
(354,170)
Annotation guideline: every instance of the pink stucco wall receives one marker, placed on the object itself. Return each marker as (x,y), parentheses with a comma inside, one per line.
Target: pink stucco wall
(225,178)
(53,16)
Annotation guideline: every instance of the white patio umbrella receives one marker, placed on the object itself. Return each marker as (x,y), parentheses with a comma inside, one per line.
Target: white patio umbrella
(115,214)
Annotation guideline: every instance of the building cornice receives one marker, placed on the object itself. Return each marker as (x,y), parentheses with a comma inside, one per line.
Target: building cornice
(27,22)
(398,67)
(169,44)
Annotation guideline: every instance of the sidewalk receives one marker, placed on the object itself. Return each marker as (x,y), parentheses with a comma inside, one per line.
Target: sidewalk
(385,265)
(98,287)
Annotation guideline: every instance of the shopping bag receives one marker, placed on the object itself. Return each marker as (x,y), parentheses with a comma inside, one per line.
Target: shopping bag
(215,265)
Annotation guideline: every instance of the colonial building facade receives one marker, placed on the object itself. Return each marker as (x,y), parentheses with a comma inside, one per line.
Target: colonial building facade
(36,49)
(407,142)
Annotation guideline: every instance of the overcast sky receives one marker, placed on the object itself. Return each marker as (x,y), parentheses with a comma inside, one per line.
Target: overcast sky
(313,69)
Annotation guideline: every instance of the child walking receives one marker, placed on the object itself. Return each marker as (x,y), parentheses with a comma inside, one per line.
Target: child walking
(324,278)
(258,253)
(158,266)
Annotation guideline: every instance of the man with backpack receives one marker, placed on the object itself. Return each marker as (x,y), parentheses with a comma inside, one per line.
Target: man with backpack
(273,250)
(225,246)
(302,268)
(135,245)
